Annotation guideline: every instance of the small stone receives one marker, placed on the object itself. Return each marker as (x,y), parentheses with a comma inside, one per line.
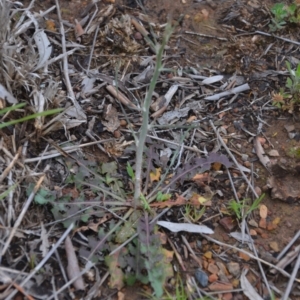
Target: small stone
(265,188)
(204,264)
(261,140)
(258,190)
(212,268)
(239,146)
(117,134)
(123,122)
(227,296)
(289,128)
(283,161)
(228,223)
(213,278)
(234,268)
(288,224)
(274,246)
(201,277)
(271,226)
(222,268)
(138,36)
(263,211)
(244,256)
(263,223)
(253,223)
(245,157)
(208,254)
(235,282)
(264,236)
(253,232)
(247,164)
(273,153)
(220,286)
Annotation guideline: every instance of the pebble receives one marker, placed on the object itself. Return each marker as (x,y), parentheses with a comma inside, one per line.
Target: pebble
(201,277)
(273,153)
(245,157)
(220,286)
(234,268)
(263,223)
(117,134)
(274,246)
(247,164)
(123,122)
(213,278)
(138,36)
(258,190)
(228,223)
(253,223)
(212,268)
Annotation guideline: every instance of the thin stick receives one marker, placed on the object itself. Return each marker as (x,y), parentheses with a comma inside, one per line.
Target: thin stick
(10,166)
(68,149)
(288,246)
(206,35)
(65,65)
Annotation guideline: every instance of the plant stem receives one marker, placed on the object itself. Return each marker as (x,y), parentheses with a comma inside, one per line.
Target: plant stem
(140,141)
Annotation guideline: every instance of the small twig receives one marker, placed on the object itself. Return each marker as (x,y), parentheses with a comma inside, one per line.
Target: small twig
(192,253)
(10,166)
(80,112)
(180,261)
(206,35)
(93,47)
(288,246)
(69,149)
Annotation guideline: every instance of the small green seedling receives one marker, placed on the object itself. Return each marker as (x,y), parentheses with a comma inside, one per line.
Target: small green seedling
(241,209)
(282,15)
(161,197)
(193,214)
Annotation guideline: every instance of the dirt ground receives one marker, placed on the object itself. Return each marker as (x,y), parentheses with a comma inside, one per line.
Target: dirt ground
(220,49)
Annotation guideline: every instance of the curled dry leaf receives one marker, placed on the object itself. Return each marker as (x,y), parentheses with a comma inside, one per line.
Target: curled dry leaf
(112,122)
(73,269)
(248,289)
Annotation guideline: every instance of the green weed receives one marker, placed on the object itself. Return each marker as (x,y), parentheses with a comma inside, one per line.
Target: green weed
(241,209)
(282,15)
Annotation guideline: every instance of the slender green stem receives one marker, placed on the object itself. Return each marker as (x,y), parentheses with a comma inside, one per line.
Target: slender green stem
(140,142)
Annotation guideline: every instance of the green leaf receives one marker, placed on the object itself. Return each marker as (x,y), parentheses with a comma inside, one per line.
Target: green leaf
(11,108)
(43,196)
(162,197)
(130,171)
(289,83)
(33,116)
(109,168)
